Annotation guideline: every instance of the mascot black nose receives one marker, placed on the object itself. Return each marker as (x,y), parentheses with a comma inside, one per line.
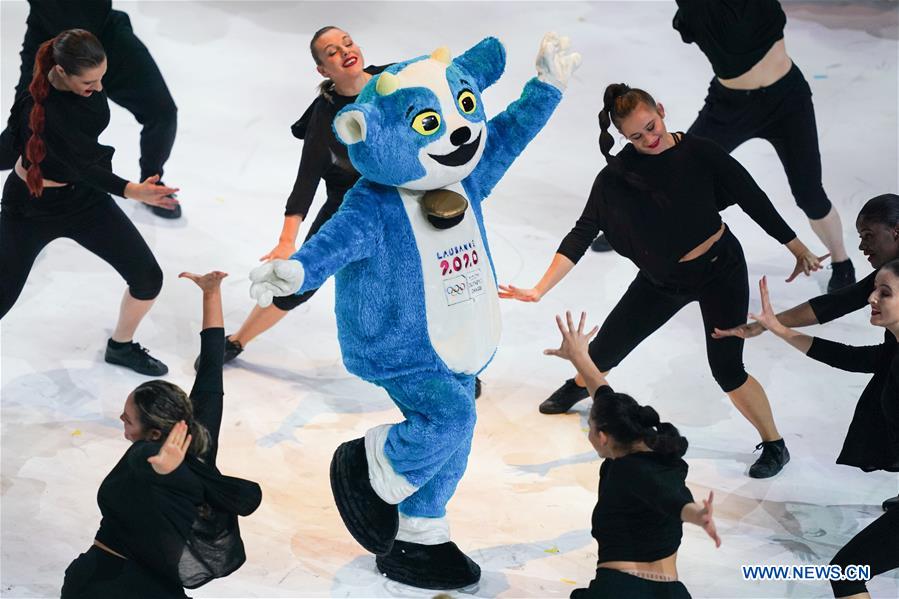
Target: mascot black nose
(460,136)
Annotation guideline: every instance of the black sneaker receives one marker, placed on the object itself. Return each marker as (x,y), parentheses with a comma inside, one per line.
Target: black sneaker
(775,456)
(232,350)
(135,357)
(563,398)
(477,387)
(601,244)
(843,275)
(891,504)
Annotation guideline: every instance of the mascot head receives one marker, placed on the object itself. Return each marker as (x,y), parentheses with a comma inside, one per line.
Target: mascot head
(420,124)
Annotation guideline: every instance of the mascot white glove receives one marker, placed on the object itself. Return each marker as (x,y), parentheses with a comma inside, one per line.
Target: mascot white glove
(275,278)
(555,62)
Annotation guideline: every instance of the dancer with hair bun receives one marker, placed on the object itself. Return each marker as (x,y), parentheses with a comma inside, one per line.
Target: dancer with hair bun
(61,186)
(643,501)
(658,202)
(169,515)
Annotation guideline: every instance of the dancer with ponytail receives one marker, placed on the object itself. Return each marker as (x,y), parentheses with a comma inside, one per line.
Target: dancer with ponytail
(873,437)
(658,203)
(61,186)
(643,501)
(169,516)
(133,79)
(759,92)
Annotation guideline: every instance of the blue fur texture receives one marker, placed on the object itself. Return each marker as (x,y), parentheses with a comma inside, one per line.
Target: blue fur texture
(370,247)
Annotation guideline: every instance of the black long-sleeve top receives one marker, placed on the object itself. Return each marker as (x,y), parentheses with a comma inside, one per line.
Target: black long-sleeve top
(323,157)
(688,185)
(638,513)
(872,441)
(182,526)
(733,34)
(73,125)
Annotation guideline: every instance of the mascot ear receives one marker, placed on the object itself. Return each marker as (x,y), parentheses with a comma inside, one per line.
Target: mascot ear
(351,124)
(485,61)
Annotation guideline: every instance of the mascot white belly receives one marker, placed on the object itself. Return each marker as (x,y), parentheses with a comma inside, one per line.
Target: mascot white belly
(460,293)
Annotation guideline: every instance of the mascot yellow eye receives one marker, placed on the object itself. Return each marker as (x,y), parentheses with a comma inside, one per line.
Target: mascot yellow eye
(467,102)
(426,122)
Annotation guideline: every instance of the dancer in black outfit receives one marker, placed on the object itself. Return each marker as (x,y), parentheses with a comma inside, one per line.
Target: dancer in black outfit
(873,438)
(643,500)
(61,187)
(658,203)
(169,516)
(878,229)
(132,80)
(758,92)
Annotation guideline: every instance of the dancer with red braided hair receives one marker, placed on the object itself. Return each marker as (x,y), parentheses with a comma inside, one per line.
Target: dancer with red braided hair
(61,186)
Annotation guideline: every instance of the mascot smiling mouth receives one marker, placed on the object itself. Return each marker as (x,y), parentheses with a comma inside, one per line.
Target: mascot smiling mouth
(460,156)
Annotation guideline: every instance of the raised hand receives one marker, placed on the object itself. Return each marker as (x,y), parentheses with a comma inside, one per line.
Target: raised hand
(744,331)
(172,452)
(555,61)
(282,251)
(767,318)
(522,295)
(275,278)
(208,282)
(706,521)
(574,341)
(150,193)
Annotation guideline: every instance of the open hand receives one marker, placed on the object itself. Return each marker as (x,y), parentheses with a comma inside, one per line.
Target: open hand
(282,251)
(767,318)
(807,262)
(208,282)
(744,331)
(555,61)
(574,341)
(276,278)
(172,452)
(706,521)
(149,192)
(522,295)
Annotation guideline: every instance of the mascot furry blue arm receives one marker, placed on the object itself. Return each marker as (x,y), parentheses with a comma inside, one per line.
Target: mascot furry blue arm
(416,297)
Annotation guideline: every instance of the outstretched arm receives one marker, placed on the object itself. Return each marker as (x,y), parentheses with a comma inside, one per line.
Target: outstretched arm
(509,132)
(350,235)
(574,349)
(558,268)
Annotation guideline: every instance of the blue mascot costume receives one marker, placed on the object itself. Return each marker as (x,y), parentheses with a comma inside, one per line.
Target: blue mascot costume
(416,297)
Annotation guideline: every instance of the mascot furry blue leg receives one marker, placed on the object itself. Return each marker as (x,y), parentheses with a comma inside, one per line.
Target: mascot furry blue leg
(416,297)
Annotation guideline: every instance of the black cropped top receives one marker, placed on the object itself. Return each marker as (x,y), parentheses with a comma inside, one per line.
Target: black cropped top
(733,34)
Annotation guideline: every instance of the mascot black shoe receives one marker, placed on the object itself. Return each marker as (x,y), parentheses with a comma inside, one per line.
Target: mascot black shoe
(439,567)
(372,521)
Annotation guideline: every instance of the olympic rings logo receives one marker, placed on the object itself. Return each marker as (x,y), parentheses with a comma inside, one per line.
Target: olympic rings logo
(455,289)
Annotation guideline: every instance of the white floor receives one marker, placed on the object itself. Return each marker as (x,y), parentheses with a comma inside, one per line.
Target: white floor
(241,74)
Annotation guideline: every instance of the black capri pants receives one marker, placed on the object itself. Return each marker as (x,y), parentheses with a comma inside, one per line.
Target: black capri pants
(96,573)
(782,114)
(718,280)
(79,212)
(613,584)
(877,546)
(332,205)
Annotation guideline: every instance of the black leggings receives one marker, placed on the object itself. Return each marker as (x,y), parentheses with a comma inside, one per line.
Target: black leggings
(877,546)
(781,113)
(289,302)
(718,280)
(612,584)
(99,226)
(96,573)
(132,81)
